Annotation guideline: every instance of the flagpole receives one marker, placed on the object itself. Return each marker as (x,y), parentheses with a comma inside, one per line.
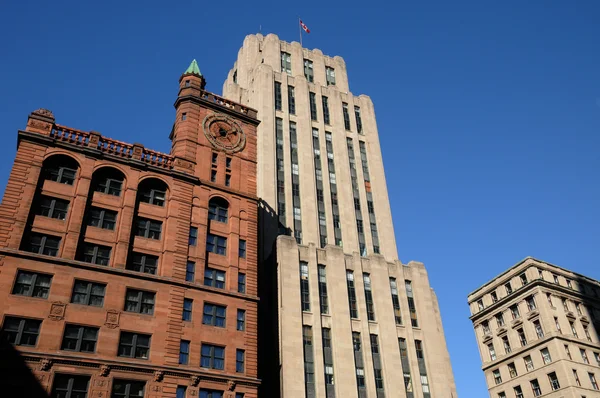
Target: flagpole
(300,30)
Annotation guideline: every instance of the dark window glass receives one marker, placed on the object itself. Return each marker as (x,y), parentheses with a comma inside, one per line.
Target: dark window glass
(369,297)
(147,228)
(108,181)
(313,106)
(127,389)
(193,239)
(70,386)
(351,294)
(358,119)
(154,196)
(187,309)
(88,293)
(139,301)
(64,174)
(304,288)
(53,208)
(227,180)
(228,162)
(278,96)
(184,352)
(190,271)
(239,361)
(323,298)
(419,349)
(214,315)
(378,379)
(325,110)
(308,70)
(32,284)
(218,209)
(21,331)
(216,244)
(210,394)
(181,392)
(241,320)
(102,218)
(80,338)
(374,344)
(346,116)
(214,278)
(212,357)
(242,249)
(291,100)
(241,283)
(134,345)
(213,175)
(43,244)
(95,254)
(143,263)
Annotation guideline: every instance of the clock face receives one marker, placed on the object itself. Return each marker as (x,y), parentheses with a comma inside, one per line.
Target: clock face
(224,133)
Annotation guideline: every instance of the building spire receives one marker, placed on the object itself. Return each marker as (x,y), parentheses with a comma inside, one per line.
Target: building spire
(193,69)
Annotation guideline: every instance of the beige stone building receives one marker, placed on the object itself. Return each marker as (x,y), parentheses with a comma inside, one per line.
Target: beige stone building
(537,330)
(341,316)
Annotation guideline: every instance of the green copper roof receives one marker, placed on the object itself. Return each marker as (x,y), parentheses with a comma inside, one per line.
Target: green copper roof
(193,68)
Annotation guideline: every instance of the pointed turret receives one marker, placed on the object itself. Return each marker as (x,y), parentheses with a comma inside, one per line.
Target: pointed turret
(193,68)
(192,77)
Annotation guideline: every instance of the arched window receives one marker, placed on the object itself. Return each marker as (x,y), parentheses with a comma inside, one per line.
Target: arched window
(60,168)
(109,181)
(217,209)
(153,191)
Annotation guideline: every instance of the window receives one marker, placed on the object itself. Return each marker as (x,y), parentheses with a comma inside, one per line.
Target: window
(309,370)
(242,249)
(304,289)
(500,319)
(587,333)
(553,381)
(597,356)
(277,96)
(512,370)
(584,356)
(528,363)
(102,218)
(395,301)
(494,297)
(328,375)
(21,331)
(187,309)
(108,181)
(492,351)
(538,329)
(514,310)
(216,244)
(508,288)
(330,75)
(346,116)
(291,100)
(88,293)
(411,304)
(497,377)
(569,284)
(313,106)
(212,357)
(378,379)
(351,294)
(506,344)
(593,380)
(485,326)
(43,244)
(143,263)
(154,196)
(147,228)
(369,297)
(214,315)
(518,392)
(565,304)
(190,271)
(535,387)
(181,390)
(546,358)
(54,171)
(239,361)
(308,70)
(530,303)
(127,389)
(323,298)
(419,349)
(286,63)
(193,239)
(184,116)
(360,378)
(139,301)
(578,309)
(213,175)
(70,386)
(374,344)
(96,254)
(501,395)
(53,208)
(228,162)
(184,352)
(325,110)
(134,345)
(358,120)
(568,352)
(549,297)
(556,279)
(522,338)
(523,279)
(576,377)
(241,320)
(241,283)
(239,395)
(32,284)
(79,338)
(211,394)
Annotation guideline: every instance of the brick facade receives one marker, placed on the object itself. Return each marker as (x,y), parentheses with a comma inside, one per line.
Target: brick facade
(185,176)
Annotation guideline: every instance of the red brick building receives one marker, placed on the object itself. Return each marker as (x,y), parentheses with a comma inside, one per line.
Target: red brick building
(125,272)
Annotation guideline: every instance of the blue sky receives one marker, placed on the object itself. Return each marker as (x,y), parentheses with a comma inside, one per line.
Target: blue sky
(488,113)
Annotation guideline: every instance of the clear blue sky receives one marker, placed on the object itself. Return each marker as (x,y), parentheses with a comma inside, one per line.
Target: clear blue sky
(488,113)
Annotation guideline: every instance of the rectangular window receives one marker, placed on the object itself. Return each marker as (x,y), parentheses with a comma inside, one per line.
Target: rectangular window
(228,162)
(53,208)
(584,356)
(211,394)
(497,377)
(277,96)
(214,315)
(308,71)
(508,288)
(241,283)
(153,196)
(325,110)
(492,351)
(213,175)
(184,352)
(535,387)
(346,116)
(70,386)
(242,249)
(351,294)
(95,254)
(330,75)
(21,331)
(522,338)
(216,244)
(108,185)
(512,370)
(395,301)
(32,284)
(286,63)
(102,218)
(514,310)
(506,344)
(554,384)
(241,320)
(88,293)
(546,358)
(139,301)
(523,279)
(528,363)
(190,271)
(239,360)
(593,380)
(358,120)
(79,338)
(530,303)
(184,116)
(369,297)
(193,239)
(188,305)
(43,244)
(60,174)
(127,389)
(538,329)
(500,320)
(147,228)
(304,289)
(411,304)
(291,100)
(518,392)
(323,299)
(378,379)
(374,344)
(576,377)
(181,392)
(494,297)
(143,263)
(313,106)
(212,357)
(134,345)
(309,366)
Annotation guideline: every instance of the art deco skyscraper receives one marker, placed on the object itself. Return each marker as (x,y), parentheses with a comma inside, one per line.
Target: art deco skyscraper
(339,314)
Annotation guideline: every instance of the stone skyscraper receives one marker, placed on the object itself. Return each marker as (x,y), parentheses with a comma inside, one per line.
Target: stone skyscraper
(340,315)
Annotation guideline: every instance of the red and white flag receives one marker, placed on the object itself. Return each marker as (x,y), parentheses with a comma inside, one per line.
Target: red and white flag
(304,27)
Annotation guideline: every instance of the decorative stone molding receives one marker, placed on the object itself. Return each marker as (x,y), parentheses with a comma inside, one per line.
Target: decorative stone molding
(159,375)
(532,314)
(57,311)
(156,388)
(517,322)
(194,381)
(501,330)
(231,385)
(112,319)
(45,364)
(224,133)
(44,112)
(104,370)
